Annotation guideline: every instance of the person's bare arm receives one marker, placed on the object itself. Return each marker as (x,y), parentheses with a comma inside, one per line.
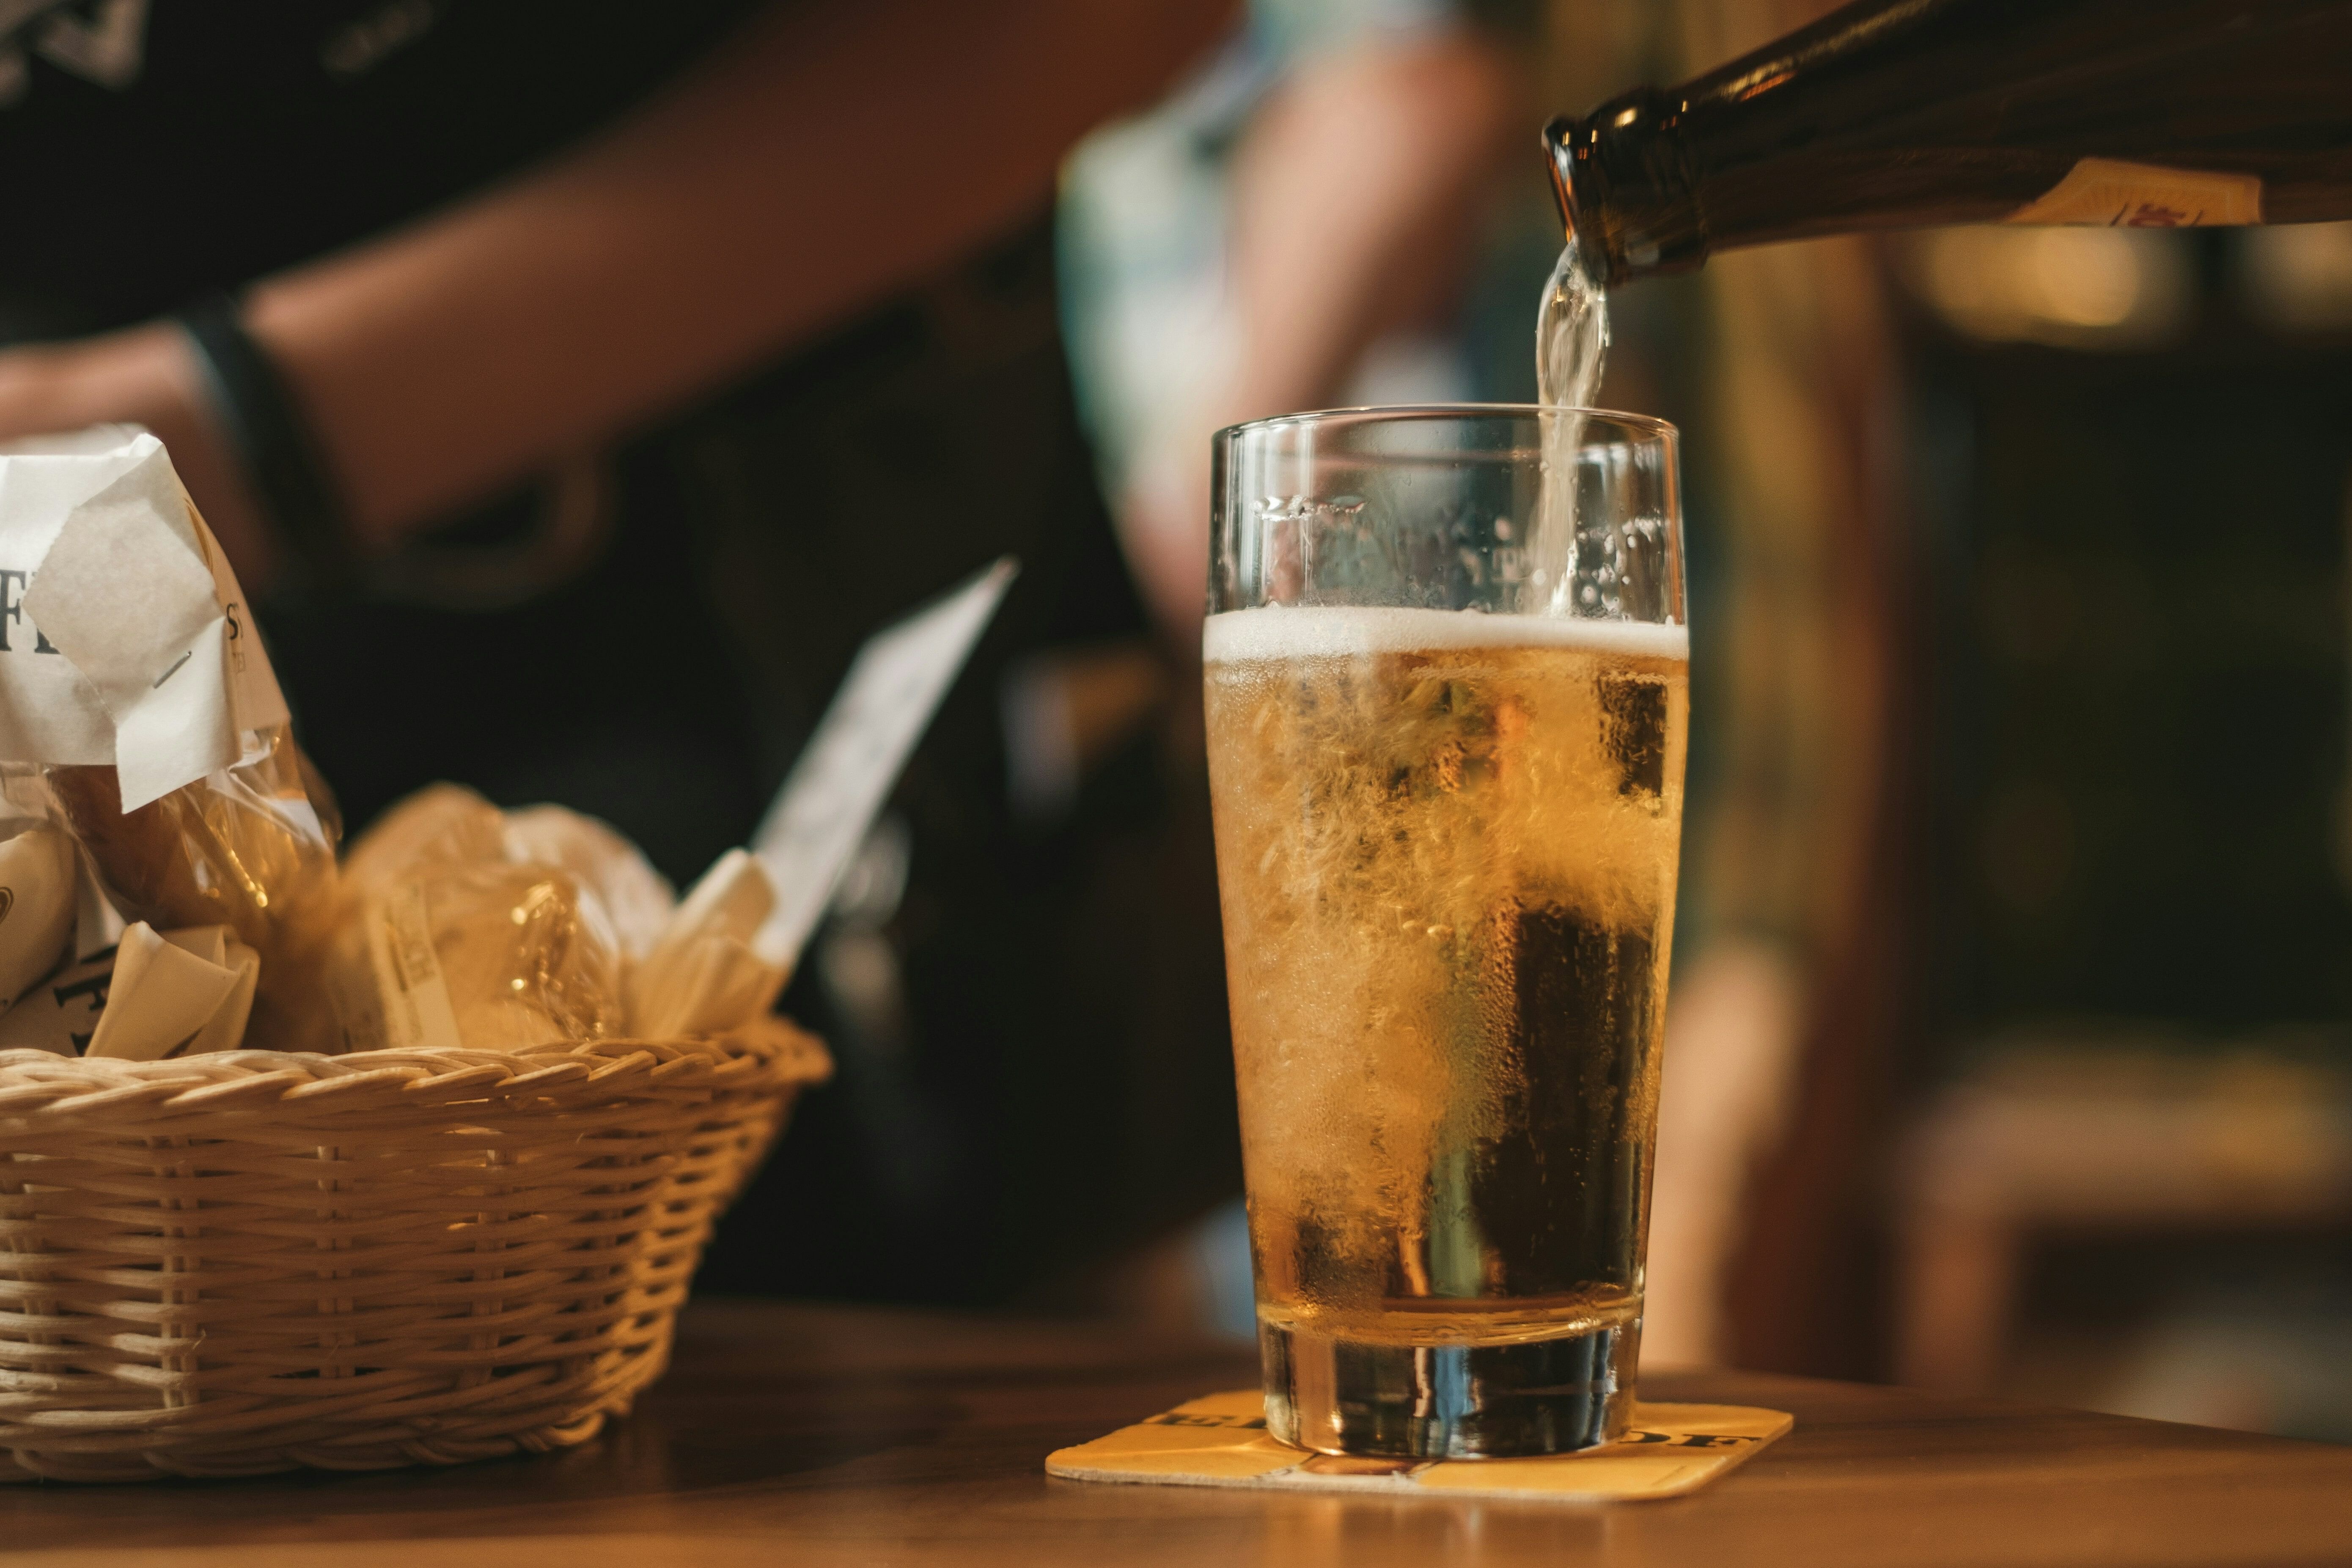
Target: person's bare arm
(837,152)
(1355,213)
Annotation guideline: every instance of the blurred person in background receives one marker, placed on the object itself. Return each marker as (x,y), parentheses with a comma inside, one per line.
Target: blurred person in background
(1298,226)
(1297,229)
(576,385)
(1349,208)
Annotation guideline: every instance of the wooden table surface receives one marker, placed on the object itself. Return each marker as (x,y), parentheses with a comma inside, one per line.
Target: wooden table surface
(808,1437)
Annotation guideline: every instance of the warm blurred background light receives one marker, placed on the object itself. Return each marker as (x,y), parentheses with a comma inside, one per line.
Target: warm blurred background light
(2126,1180)
(2085,288)
(2299,278)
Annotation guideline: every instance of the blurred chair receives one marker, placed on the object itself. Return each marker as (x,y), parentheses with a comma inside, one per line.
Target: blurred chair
(2056,1138)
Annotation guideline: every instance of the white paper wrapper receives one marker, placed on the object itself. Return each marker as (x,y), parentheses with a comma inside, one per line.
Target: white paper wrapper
(218,946)
(734,899)
(703,975)
(159,994)
(712,984)
(165,994)
(123,634)
(98,924)
(60,1015)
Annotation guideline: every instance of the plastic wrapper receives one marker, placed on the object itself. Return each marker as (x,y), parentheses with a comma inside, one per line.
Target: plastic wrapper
(636,898)
(250,847)
(488,957)
(442,827)
(38,902)
(140,714)
(473,927)
(493,930)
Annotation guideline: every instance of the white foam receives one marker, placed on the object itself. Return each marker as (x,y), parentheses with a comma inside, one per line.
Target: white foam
(1324,631)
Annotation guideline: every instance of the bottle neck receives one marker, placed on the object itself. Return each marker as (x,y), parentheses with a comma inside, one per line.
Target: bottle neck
(1909,113)
(1627,189)
(1863,120)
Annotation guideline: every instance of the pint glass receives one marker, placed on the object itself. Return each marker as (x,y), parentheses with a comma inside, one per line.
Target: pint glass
(1447,689)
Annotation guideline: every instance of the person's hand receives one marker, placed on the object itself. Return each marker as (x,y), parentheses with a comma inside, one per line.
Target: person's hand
(141,375)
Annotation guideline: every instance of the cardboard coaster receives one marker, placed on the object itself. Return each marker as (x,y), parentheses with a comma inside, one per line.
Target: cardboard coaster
(1219,1440)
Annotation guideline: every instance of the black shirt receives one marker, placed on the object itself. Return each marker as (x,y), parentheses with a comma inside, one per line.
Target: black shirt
(151,147)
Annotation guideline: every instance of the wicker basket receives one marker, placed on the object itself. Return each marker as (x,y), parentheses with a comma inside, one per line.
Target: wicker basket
(247,1262)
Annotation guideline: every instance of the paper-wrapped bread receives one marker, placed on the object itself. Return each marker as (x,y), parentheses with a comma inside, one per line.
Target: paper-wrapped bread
(702,975)
(636,898)
(153,996)
(251,847)
(60,1015)
(488,957)
(440,827)
(36,903)
(181,993)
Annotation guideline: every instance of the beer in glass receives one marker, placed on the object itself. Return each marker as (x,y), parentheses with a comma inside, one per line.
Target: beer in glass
(1447,696)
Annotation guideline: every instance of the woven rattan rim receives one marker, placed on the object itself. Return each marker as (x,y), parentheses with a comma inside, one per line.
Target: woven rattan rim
(36,1082)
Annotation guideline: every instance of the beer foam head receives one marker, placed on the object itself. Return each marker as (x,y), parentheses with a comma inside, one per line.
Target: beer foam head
(1329,631)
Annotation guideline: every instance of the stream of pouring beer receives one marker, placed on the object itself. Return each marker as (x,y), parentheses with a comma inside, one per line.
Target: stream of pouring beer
(1571,334)
(1571,341)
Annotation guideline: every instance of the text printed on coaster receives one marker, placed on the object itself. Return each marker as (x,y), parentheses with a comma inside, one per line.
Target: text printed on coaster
(1219,1440)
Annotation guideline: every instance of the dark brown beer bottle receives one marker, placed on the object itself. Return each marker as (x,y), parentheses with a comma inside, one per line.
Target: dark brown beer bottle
(1907,113)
